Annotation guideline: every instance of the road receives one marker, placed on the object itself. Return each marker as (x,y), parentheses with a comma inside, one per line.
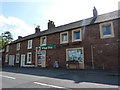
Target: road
(57,78)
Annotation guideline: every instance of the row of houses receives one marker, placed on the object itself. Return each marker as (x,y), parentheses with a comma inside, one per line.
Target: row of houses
(90,43)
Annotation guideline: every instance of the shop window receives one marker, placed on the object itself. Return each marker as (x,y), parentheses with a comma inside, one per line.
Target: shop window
(76,35)
(43,41)
(6,58)
(75,55)
(64,37)
(106,30)
(29,57)
(17,58)
(29,44)
(18,46)
(7,48)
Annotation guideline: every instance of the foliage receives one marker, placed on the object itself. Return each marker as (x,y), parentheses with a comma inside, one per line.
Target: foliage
(5,38)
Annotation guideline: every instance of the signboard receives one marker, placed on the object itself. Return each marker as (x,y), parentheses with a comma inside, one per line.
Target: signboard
(48,47)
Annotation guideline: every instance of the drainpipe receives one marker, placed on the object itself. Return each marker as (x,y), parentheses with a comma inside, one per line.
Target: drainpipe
(92,57)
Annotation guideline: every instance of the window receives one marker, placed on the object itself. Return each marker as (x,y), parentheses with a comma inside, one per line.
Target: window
(29,57)
(106,30)
(76,35)
(17,58)
(18,46)
(7,48)
(6,58)
(43,40)
(75,54)
(64,37)
(29,44)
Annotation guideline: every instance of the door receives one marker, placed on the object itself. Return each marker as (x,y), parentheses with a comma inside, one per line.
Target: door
(11,60)
(41,59)
(22,60)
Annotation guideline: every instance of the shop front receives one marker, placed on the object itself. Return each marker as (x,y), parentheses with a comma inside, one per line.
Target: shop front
(40,57)
(75,58)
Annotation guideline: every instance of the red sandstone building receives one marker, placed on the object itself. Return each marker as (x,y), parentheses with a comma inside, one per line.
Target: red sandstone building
(91,43)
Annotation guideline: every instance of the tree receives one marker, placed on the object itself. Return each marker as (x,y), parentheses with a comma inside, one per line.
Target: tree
(5,38)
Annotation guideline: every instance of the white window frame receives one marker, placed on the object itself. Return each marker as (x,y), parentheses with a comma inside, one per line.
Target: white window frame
(17,58)
(61,35)
(6,58)
(7,48)
(29,42)
(101,31)
(73,31)
(29,62)
(42,39)
(18,46)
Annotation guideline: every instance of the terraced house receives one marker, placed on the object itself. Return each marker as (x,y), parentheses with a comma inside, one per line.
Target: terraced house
(91,43)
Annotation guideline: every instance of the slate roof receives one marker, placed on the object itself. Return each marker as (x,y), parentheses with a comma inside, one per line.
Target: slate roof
(89,21)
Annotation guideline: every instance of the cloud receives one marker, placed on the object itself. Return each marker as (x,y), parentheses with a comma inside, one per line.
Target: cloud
(15,25)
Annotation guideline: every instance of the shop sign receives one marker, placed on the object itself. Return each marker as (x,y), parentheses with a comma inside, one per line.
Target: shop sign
(48,47)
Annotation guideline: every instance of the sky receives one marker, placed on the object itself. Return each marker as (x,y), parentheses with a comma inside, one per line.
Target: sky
(21,16)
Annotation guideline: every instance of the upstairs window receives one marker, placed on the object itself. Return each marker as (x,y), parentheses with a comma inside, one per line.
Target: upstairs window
(18,46)
(29,44)
(43,40)
(7,48)
(64,37)
(6,58)
(76,35)
(29,57)
(106,30)
(17,58)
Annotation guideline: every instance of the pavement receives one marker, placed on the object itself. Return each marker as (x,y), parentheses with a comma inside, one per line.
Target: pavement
(68,79)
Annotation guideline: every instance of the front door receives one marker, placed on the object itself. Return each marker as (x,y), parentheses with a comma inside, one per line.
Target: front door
(41,58)
(11,60)
(22,60)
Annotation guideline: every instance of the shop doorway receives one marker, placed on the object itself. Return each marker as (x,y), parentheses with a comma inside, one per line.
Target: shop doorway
(41,58)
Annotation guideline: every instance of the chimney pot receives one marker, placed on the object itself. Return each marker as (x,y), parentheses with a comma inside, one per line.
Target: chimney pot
(95,13)
(37,29)
(19,37)
(51,24)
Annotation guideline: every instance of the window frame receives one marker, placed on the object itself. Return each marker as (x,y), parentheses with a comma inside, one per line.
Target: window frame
(29,43)
(61,34)
(41,38)
(101,31)
(18,47)
(73,31)
(7,48)
(74,49)
(17,58)
(29,62)
(6,58)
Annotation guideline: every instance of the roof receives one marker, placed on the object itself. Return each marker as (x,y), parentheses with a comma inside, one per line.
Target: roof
(85,22)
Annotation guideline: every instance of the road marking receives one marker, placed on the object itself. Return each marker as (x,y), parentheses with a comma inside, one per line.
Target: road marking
(8,77)
(48,85)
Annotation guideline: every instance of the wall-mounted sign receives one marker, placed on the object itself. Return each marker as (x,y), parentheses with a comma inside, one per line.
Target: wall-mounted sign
(48,47)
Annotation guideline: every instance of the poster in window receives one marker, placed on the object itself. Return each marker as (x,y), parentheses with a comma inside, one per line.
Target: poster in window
(75,55)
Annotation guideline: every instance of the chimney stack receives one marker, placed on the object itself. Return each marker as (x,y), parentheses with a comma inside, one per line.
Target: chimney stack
(95,13)
(51,24)
(19,37)
(37,29)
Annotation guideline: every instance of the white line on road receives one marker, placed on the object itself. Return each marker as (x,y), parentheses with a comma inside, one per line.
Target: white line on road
(8,77)
(48,85)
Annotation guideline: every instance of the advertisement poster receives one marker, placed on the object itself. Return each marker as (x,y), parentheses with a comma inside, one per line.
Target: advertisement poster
(75,55)
(41,57)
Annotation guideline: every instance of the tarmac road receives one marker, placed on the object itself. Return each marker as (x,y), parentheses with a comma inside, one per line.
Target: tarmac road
(62,79)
